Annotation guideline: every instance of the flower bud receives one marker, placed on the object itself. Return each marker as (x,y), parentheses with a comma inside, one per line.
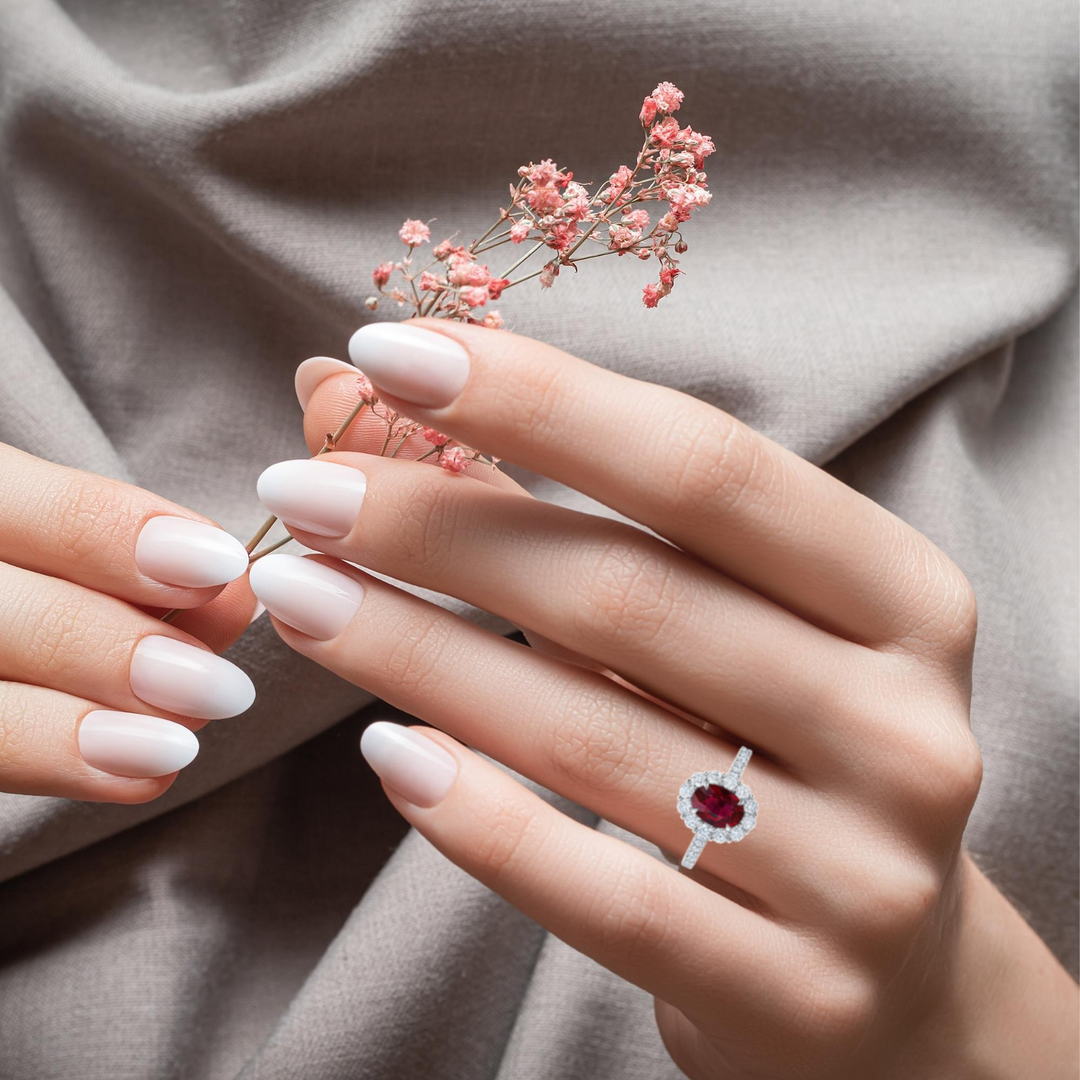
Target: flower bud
(680,247)
(371,303)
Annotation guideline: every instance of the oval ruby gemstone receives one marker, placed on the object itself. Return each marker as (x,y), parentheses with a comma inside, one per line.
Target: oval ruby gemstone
(717,806)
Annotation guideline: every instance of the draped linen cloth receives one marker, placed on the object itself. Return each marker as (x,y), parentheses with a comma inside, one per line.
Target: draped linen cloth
(192,197)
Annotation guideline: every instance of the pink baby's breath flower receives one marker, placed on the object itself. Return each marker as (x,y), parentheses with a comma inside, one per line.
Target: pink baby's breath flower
(668,223)
(436,438)
(381,274)
(648,111)
(414,233)
(686,196)
(548,275)
(364,387)
(668,97)
(619,179)
(637,219)
(561,235)
(519,230)
(651,295)
(622,237)
(466,273)
(430,282)
(544,199)
(453,460)
(495,287)
(493,320)
(668,275)
(444,249)
(576,206)
(666,133)
(474,295)
(547,172)
(398,295)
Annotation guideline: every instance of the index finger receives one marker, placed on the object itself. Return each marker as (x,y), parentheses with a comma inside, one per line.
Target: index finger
(689,471)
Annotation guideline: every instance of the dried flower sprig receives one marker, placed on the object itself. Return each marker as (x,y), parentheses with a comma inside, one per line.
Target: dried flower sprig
(552,213)
(557,214)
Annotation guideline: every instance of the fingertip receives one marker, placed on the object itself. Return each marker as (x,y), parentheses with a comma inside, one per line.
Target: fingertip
(314,371)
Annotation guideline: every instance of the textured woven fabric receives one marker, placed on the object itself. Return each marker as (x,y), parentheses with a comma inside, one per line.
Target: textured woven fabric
(191,198)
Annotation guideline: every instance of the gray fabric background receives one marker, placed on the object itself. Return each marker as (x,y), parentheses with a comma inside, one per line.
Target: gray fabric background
(192,197)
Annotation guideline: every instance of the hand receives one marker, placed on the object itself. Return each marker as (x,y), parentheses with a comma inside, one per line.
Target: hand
(847,935)
(99,699)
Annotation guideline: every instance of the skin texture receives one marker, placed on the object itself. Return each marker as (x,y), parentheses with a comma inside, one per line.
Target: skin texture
(784,611)
(73,608)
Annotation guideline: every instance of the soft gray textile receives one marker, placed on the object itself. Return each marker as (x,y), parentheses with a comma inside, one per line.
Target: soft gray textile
(192,197)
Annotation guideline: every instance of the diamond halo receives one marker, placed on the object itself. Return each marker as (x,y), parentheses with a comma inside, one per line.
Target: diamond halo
(703,831)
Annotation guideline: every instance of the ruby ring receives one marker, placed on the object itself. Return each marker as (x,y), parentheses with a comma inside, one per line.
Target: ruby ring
(717,806)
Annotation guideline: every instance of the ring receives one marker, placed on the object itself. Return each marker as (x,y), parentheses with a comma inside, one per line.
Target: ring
(717,806)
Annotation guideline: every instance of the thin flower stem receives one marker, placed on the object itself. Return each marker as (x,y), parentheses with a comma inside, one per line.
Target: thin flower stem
(266,550)
(528,254)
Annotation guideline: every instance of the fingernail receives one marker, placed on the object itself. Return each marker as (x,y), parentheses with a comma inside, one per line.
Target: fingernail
(179,551)
(421,366)
(321,497)
(260,609)
(416,767)
(312,598)
(130,744)
(188,680)
(312,372)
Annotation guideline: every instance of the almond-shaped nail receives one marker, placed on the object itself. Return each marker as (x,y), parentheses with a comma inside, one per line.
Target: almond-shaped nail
(312,372)
(416,767)
(408,362)
(192,554)
(321,497)
(131,744)
(312,598)
(188,680)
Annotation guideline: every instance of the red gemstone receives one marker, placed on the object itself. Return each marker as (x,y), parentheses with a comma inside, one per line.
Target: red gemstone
(717,806)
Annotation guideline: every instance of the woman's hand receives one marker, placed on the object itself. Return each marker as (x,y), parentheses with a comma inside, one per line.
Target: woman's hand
(98,698)
(847,935)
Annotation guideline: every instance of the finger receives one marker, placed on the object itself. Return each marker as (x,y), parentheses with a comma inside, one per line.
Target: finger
(333,397)
(109,536)
(56,744)
(59,635)
(571,729)
(647,611)
(685,469)
(626,910)
(220,622)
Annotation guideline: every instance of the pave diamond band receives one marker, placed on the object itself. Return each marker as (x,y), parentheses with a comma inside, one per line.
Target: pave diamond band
(717,806)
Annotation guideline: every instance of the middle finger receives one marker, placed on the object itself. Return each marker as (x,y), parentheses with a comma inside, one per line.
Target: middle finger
(655,615)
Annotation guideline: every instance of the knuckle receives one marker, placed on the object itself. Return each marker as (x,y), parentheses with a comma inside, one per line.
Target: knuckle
(946,622)
(633,916)
(599,744)
(897,902)
(842,1006)
(717,464)
(420,531)
(512,831)
(627,593)
(533,405)
(88,514)
(413,650)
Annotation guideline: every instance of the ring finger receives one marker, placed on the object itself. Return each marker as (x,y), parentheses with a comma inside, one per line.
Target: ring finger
(571,729)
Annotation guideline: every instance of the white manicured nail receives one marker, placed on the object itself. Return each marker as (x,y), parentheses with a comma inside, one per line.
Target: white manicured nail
(421,366)
(310,597)
(320,497)
(130,744)
(179,551)
(188,680)
(416,767)
(312,372)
